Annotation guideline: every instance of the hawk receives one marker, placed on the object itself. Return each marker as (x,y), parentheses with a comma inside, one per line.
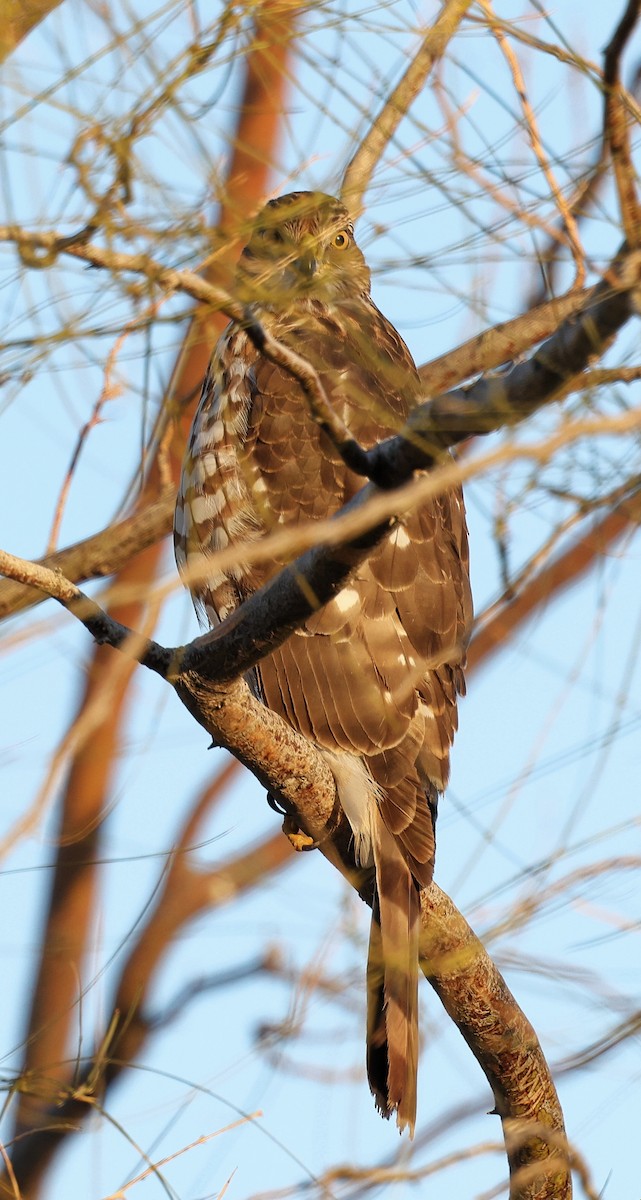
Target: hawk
(372,678)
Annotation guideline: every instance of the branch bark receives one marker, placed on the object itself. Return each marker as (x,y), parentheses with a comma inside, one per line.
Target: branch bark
(19,17)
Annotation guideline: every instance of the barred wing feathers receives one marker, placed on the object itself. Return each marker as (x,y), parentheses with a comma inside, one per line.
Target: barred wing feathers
(373,677)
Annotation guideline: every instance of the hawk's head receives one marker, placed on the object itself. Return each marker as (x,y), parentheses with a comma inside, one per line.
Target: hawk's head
(302,246)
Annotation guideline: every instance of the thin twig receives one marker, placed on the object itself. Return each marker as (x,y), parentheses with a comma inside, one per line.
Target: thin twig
(572,238)
(100,625)
(361,166)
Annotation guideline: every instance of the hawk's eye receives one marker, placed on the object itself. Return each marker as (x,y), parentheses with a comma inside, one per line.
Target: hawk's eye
(341,240)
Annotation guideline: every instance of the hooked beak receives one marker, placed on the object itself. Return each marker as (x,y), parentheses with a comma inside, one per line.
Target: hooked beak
(306,264)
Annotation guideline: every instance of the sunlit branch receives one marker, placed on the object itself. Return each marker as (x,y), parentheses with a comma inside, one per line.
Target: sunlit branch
(498,626)
(361,167)
(571,237)
(501,343)
(617,125)
(18,19)
(271,614)
(97,556)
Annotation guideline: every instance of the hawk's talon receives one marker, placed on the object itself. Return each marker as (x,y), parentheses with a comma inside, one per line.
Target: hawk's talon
(302,841)
(299,840)
(275,806)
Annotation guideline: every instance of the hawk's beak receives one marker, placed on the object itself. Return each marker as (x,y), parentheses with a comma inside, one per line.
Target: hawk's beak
(306,264)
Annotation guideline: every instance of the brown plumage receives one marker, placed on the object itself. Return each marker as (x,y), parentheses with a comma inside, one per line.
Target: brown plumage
(373,677)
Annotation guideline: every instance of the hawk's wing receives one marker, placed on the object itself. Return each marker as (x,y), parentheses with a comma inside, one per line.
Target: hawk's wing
(377,670)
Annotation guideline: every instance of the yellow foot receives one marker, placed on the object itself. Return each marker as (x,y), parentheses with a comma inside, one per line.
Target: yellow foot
(298,839)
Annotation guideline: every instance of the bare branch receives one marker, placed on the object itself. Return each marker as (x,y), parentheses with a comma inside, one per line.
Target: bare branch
(504,618)
(475,996)
(501,344)
(506,399)
(571,236)
(97,556)
(103,628)
(18,19)
(360,169)
(617,126)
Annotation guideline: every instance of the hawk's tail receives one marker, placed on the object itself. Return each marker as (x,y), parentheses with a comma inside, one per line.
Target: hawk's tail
(392,983)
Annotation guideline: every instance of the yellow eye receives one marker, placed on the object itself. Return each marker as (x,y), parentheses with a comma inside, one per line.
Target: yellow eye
(341,240)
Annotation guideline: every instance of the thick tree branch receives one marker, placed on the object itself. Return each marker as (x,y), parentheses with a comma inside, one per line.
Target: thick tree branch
(503,343)
(507,398)
(270,615)
(97,556)
(475,996)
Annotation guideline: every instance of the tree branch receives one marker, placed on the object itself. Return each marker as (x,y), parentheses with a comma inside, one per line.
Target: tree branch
(360,169)
(97,556)
(19,17)
(617,125)
(501,344)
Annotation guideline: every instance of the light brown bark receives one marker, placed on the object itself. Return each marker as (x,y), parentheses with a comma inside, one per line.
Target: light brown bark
(18,18)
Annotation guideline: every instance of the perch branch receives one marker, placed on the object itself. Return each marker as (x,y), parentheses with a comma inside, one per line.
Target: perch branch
(501,344)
